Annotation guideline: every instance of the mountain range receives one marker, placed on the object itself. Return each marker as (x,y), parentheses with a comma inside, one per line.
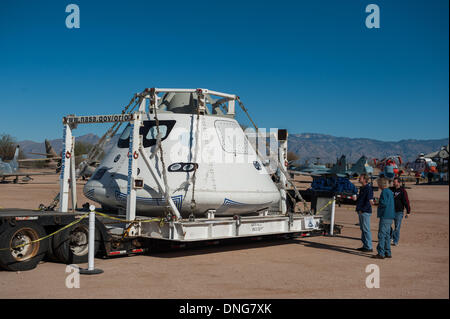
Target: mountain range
(308,146)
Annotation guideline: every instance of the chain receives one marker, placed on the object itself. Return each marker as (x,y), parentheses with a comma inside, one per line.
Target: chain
(246,112)
(297,193)
(194,175)
(163,165)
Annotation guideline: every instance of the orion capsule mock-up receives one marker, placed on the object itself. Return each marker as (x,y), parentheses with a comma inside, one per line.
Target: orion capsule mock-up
(206,162)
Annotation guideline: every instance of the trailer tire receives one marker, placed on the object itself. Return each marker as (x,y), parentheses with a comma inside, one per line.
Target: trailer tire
(70,246)
(50,255)
(26,257)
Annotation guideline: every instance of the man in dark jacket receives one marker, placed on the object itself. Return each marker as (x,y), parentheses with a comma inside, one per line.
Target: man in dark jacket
(364,209)
(401,202)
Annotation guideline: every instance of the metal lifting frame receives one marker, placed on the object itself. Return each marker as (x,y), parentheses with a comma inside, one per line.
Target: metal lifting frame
(152,94)
(136,149)
(67,177)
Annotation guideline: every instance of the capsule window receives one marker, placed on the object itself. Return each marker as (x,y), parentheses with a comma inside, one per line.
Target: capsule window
(153,132)
(149,131)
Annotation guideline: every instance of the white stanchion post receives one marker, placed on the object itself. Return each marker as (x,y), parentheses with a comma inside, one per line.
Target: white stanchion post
(333,205)
(91,254)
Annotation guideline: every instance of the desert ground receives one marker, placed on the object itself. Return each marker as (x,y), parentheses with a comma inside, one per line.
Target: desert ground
(315,267)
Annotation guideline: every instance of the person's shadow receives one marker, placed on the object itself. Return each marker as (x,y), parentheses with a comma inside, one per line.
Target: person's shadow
(337,248)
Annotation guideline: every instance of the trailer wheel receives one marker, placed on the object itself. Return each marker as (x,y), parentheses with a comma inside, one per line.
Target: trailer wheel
(71,246)
(50,255)
(26,257)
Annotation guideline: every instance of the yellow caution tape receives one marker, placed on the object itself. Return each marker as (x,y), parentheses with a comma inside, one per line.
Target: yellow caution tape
(79,220)
(326,205)
(48,236)
(130,221)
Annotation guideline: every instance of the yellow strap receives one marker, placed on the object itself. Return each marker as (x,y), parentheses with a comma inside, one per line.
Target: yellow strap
(50,235)
(130,221)
(326,205)
(79,220)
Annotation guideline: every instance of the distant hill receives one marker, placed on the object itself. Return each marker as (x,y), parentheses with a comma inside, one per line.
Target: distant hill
(307,146)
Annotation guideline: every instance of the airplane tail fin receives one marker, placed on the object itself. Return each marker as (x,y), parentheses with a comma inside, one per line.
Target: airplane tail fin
(340,167)
(362,166)
(360,163)
(14,163)
(342,164)
(49,150)
(16,153)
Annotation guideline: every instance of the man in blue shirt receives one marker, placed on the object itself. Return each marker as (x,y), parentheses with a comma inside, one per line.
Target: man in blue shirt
(364,204)
(386,214)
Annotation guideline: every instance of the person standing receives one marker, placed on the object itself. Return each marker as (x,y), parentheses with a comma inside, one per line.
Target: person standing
(417,175)
(401,202)
(386,214)
(364,203)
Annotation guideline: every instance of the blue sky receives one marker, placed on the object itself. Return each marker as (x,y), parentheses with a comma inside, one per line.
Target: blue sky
(308,66)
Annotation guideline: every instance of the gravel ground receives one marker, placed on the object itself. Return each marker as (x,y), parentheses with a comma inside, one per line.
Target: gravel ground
(316,267)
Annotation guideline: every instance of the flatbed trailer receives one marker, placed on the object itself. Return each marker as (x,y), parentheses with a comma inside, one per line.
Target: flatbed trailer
(27,236)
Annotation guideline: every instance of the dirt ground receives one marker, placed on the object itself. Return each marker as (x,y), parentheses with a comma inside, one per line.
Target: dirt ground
(316,267)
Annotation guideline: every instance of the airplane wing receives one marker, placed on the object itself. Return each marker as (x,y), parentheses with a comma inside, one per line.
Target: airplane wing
(295,172)
(319,173)
(44,154)
(26,174)
(38,159)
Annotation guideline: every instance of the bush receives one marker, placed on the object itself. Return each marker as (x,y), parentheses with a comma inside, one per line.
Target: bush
(8,146)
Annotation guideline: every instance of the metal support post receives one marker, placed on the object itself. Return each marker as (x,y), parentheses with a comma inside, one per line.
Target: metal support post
(201,101)
(231,107)
(333,206)
(66,159)
(283,180)
(73,177)
(133,155)
(91,270)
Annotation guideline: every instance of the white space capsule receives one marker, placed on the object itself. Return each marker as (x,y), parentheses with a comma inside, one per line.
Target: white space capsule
(229,176)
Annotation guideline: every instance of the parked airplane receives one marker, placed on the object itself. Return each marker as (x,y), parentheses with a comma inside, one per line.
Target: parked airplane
(84,170)
(390,166)
(423,165)
(306,168)
(11,169)
(339,169)
(50,157)
(49,151)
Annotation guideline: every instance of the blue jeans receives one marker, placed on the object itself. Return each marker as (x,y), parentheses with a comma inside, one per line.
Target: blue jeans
(364,225)
(384,237)
(395,233)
